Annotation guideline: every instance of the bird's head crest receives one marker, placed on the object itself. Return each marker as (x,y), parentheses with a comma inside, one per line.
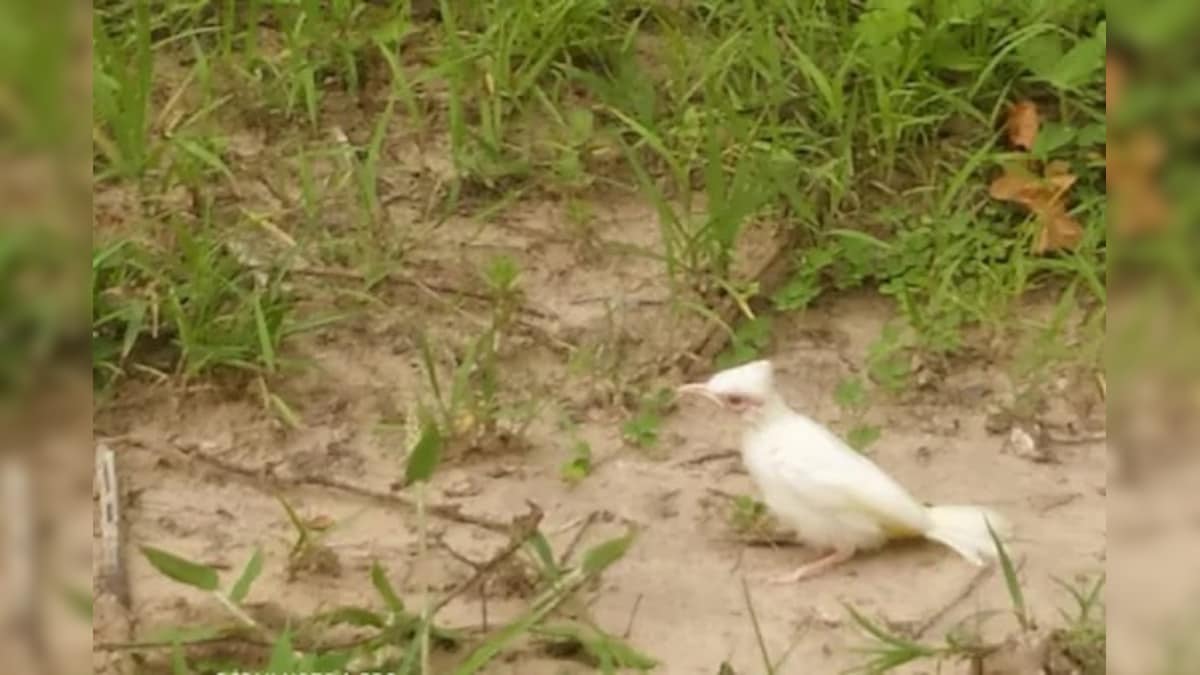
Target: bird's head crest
(746,389)
(753,380)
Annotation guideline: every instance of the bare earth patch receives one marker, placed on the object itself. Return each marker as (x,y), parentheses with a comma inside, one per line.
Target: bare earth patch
(200,469)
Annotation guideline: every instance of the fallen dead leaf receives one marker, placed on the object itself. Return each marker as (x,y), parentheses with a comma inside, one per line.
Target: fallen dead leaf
(1058,173)
(1045,196)
(1059,232)
(321,522)
(1022,124)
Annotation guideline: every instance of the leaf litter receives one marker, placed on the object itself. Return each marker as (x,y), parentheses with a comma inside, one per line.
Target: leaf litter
(1022,124)
(1044,195)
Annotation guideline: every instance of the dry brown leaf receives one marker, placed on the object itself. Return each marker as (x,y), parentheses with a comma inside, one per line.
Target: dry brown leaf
(321,522)
(1059,231)
(1058,173)
(1045,197)
(1058,168)
(1022,124)
(1014,187)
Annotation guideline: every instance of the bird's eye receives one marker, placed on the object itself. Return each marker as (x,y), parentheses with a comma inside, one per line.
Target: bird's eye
(735,400)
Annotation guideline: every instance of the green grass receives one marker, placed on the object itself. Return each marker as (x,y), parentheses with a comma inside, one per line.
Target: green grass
(871,132)
(393,636)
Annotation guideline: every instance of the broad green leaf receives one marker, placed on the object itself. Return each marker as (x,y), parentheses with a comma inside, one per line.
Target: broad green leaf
(541,549)
(181,570)
(283,659)
(242,586)
(1078,66)
(1093,134)
(1051,138)
(1040,53)
(599,557)
(425,455)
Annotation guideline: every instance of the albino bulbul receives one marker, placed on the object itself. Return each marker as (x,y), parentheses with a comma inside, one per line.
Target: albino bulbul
(833,497)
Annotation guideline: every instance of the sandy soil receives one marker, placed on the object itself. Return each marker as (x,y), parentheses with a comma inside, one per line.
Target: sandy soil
(678,592)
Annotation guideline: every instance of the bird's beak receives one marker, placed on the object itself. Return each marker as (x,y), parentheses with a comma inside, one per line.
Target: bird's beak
(700,389)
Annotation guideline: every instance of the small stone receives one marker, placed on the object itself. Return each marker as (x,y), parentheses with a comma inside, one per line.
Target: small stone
(463,487)
(924,455)
(1022,444)
(502,471)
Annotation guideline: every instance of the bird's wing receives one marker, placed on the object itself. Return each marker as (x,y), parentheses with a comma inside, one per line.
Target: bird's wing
(834,473)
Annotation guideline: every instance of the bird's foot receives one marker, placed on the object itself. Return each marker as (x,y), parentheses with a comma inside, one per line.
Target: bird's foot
(814,568)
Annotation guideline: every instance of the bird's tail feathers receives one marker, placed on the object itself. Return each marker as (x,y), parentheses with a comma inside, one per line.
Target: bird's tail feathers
(965,529)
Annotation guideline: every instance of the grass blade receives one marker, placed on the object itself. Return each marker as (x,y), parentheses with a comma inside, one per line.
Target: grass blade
(265,344)
(758,636)
(182,570)
(380,581)
(253,569)
(1011,581)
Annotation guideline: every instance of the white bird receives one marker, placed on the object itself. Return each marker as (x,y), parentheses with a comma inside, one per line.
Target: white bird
(832,496)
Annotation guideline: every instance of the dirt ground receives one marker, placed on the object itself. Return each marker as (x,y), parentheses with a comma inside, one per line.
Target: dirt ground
(678,592)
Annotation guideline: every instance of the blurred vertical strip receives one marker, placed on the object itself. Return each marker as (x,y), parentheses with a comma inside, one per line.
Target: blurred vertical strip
(45,389)
(1153,175)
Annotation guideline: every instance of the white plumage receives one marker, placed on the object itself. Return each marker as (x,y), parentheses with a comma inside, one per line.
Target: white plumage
(835,498)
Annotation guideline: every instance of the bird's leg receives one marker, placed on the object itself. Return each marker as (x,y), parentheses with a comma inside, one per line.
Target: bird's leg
(816,567)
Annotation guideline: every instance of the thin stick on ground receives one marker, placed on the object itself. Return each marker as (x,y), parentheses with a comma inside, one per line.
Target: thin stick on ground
(965,592)
(699,356)
(261,479)
(569,551)
(707,457)
(762,644)
(637,603)
(523,529)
